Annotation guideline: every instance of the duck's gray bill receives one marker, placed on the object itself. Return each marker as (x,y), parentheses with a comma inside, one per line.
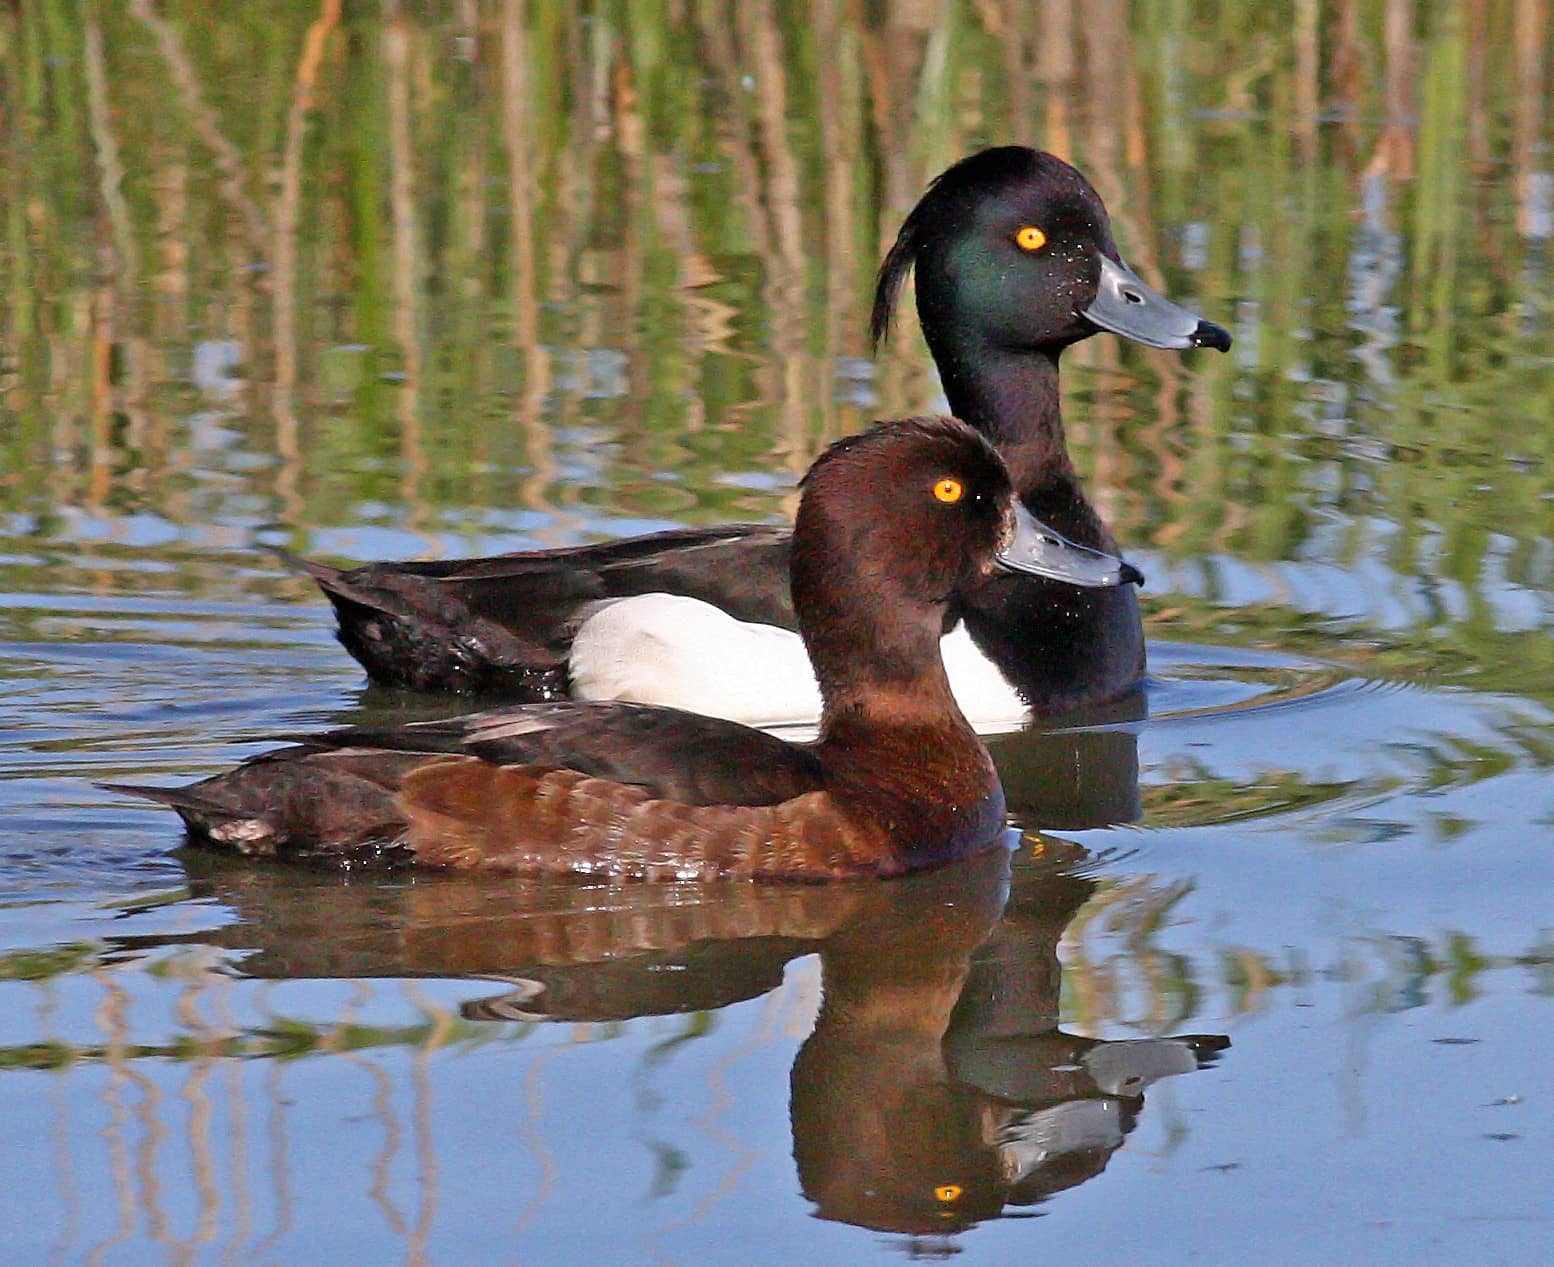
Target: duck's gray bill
(1043,551)
(1125,305)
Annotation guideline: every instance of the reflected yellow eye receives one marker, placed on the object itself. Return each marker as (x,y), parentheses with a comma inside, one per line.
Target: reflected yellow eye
(947,1192)
(948,490)
(1030,238)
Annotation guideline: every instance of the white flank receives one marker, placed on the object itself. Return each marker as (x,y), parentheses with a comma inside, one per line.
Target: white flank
(684,653)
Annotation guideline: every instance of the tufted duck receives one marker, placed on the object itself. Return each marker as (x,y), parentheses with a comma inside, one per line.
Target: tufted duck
(894,528)
(1015,261)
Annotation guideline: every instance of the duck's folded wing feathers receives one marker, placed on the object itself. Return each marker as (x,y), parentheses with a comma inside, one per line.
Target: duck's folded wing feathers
(504,623)
(670,754)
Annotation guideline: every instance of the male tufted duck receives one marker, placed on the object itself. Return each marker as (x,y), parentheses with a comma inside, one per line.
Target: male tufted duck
(894,528)
(1015,260)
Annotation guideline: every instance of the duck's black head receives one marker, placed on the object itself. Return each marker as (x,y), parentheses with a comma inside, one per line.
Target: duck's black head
(1013,250)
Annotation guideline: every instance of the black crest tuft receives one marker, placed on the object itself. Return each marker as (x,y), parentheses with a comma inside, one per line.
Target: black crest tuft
(892,276)
(947,203)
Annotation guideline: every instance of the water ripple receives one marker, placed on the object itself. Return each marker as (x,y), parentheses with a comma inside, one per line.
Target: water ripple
(1235,735)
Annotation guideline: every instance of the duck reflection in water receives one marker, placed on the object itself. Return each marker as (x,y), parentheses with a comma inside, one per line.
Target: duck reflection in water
(936,1089)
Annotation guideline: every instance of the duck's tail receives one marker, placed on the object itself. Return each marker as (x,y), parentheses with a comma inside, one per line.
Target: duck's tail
(296,804)
(411,626)
(208,818)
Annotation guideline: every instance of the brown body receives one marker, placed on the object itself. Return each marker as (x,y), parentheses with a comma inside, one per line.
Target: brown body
(466,813)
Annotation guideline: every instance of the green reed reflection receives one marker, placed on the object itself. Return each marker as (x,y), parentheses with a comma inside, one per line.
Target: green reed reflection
(580,258)
(1122,966)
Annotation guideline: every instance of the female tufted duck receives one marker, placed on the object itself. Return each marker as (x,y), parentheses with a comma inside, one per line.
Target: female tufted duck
(1015,261)
(894,528)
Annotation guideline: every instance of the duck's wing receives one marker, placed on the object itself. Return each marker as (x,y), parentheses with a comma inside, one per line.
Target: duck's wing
(669,754)
(502,625)
(356,795)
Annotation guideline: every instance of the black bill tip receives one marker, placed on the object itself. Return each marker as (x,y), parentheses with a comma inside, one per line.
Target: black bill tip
(1209,335)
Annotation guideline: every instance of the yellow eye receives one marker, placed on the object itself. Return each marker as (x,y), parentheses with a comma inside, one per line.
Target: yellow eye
(948,490)
(1030,238)
(947,1192)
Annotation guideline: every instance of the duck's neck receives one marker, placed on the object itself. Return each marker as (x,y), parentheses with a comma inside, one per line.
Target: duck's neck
(878,676)
(880,705)
(1011,396)
(906,763)
(870,645)
(894,738)
(897,751)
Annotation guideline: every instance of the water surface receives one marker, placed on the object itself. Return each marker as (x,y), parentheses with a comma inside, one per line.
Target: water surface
(1268,973)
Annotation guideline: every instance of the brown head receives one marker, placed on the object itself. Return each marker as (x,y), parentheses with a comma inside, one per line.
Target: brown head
(892,524)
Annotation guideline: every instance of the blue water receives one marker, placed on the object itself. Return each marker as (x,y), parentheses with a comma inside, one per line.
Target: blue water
(1339,884)
(1267,972)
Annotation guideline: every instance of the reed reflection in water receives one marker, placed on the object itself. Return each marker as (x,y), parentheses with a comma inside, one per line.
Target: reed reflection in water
(932,1088)
(424,282)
